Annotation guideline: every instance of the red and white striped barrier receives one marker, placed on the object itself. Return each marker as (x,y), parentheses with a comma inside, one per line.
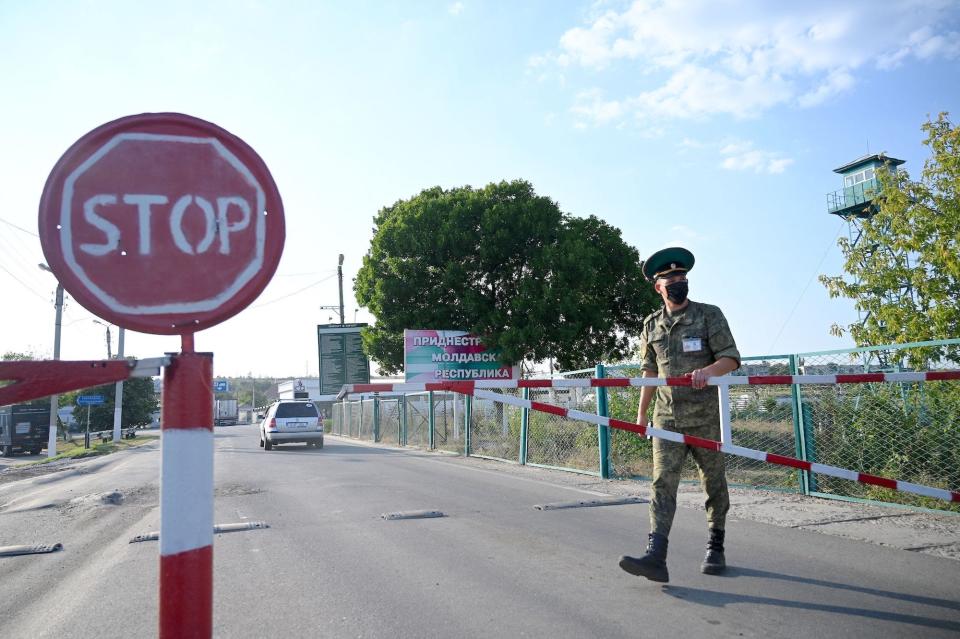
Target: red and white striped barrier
(726,448)
(186,498)
(615,382)
(477,389)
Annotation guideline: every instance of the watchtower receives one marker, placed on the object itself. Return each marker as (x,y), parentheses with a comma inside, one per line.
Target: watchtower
(855,203)
(860,186)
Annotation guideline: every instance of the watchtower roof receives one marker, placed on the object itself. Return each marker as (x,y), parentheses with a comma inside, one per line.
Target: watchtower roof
(876,158)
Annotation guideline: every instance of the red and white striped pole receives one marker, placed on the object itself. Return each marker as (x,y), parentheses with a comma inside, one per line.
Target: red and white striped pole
(186,496)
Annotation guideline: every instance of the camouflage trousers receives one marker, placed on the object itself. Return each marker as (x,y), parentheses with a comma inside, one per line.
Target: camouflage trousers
(668,460)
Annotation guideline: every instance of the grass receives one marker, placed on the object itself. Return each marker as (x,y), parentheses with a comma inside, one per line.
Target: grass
(73,450)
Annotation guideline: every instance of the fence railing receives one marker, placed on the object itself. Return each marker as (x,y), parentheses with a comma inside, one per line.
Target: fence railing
(908,430)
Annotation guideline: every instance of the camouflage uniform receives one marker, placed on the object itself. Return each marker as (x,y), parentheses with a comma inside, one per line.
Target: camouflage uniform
(672,346)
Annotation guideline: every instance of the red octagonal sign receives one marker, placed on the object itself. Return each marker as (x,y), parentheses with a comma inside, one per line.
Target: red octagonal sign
(162,223)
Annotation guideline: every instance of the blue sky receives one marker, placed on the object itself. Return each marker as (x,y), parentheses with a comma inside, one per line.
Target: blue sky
(715,125)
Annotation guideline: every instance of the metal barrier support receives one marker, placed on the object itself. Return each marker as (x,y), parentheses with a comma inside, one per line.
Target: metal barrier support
(603,432)
(432,421)
(524,428)
(467,414)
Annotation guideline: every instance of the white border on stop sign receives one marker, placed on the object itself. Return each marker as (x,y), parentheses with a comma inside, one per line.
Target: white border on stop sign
(66,238)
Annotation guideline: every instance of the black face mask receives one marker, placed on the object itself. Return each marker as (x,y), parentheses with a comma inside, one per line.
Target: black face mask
(677,291)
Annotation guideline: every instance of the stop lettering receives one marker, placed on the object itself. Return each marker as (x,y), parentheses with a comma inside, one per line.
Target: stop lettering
(162,223)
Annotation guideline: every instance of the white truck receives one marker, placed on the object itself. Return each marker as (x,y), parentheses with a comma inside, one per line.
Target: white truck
(225,412)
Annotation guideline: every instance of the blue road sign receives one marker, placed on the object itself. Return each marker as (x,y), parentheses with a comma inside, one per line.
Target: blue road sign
(89,400)
(221,385)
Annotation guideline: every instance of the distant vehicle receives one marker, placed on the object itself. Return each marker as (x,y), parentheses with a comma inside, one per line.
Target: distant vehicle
(225,412)
(24,428)
(288,421)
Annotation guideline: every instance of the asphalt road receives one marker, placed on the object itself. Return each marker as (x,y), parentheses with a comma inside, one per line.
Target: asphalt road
(331,566)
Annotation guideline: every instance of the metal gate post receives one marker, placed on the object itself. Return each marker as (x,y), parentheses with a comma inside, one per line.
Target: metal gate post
(186,496)
(524,427)
(467,412)
(809,441)
(360,422)
(432,421)
(402,435)
(376,418)
(796,406)
(603,432)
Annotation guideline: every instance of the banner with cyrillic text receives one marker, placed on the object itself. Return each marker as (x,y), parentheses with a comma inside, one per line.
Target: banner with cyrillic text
(430,356)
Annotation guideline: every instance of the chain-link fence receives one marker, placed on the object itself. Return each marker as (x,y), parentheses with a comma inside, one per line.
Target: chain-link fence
(495,428)
(390,420)
(631,455)
(448,421)
(336,419)
(418,420)
(761,417)
(366,419)
(905,431)
(559,442)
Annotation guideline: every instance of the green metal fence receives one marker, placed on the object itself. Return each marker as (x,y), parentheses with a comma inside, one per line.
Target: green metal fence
(905,431)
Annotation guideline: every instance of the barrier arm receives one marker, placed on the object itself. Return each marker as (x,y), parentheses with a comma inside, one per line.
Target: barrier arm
(726,448)
(33,379)
(477,390)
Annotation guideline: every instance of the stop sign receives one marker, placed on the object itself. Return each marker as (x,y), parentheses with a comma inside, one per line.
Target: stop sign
(162,223)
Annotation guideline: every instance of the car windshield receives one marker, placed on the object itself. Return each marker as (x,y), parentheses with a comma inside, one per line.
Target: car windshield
(296,409)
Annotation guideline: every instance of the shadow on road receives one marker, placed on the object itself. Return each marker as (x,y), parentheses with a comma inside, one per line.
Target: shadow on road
(327,450)
(719,599)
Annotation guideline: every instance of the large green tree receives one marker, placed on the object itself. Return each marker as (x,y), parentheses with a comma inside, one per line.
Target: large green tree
(507,264)
(904,271)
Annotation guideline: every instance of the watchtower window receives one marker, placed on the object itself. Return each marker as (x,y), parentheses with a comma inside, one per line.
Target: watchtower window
(858,177)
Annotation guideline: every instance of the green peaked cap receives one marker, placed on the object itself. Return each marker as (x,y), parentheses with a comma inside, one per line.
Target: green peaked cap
(674,258)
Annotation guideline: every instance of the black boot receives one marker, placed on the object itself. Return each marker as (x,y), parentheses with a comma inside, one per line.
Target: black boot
(714,562)
(653,565)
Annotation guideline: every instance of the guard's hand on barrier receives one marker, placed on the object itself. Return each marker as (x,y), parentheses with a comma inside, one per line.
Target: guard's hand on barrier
(698,378)
(642,420)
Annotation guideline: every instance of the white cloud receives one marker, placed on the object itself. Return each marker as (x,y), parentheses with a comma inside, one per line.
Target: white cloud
(456,8)
(837,82)
(741,59)
(591,106)
(742,156)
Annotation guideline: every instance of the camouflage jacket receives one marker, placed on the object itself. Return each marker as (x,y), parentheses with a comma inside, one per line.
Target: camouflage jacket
(674,345)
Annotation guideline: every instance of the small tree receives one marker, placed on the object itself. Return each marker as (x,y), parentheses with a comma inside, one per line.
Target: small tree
(139,403)
(904,272)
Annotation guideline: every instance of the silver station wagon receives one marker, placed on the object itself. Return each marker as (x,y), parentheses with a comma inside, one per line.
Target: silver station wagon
(291,421)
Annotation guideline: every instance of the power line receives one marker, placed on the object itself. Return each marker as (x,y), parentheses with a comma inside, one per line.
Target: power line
(304,274)
(810,281)
(295,292)
(18,258)
(19,228)
(19,281)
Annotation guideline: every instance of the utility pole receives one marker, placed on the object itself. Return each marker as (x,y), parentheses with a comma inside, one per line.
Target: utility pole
(55,399)
(109,344)
(118,397)
(343,320)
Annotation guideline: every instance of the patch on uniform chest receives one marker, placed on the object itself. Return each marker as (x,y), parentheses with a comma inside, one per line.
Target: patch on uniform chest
(692,344)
